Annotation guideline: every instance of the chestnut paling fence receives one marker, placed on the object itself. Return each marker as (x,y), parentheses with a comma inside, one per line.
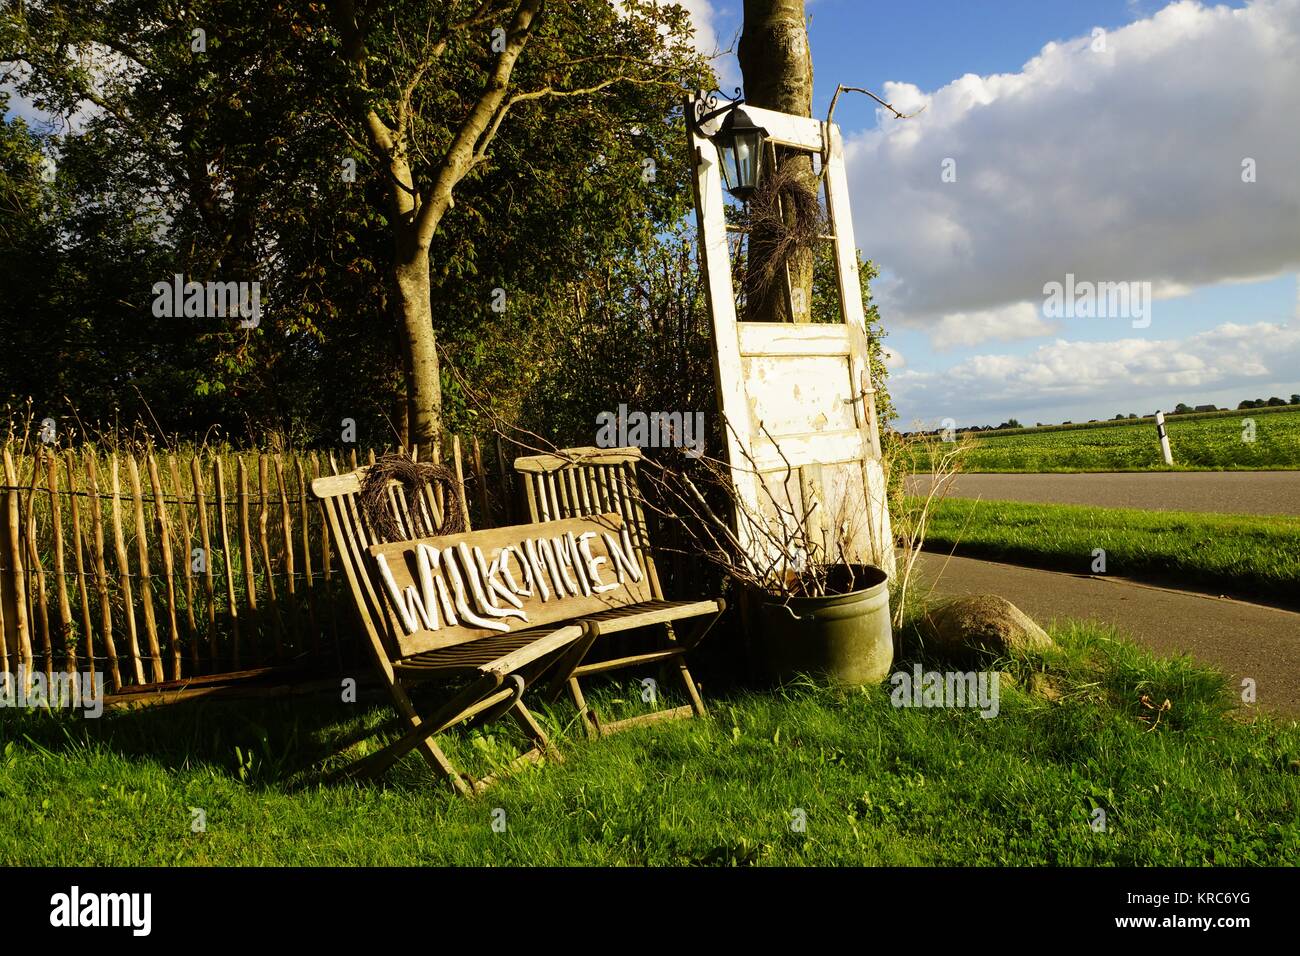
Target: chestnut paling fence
(160,566)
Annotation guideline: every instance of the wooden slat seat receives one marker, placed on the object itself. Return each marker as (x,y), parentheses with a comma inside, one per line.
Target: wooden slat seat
(485,652)
(584,482)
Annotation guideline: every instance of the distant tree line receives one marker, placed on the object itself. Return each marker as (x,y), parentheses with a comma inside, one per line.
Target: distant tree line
(1269,403)
(1180,409)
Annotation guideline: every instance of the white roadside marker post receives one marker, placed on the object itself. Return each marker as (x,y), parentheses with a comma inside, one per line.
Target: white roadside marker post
(1164,438)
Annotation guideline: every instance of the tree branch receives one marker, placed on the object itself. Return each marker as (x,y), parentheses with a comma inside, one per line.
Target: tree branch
(459,158)
(354,52)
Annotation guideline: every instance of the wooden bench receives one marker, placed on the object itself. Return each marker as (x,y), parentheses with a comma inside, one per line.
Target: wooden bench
(585,482)
(495,666)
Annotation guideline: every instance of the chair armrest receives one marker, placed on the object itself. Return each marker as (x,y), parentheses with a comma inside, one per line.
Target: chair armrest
(548,644)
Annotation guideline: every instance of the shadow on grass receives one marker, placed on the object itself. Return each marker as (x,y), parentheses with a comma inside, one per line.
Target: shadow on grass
(261,742)
(290,743)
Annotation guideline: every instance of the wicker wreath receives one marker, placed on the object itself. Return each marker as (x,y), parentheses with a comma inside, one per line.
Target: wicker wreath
(785,218)
(412,476)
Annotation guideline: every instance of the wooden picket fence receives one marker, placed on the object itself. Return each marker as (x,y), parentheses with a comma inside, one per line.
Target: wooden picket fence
(163,567)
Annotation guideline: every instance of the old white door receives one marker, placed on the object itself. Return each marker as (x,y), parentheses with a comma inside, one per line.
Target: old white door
(798,397)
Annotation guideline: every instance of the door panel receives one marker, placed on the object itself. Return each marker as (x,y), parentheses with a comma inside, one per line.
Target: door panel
(799,395)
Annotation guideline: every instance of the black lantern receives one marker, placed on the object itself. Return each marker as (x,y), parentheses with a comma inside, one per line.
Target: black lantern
(740,145)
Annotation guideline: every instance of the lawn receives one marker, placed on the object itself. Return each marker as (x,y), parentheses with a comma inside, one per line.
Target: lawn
(875,784)
(1207,443)
(1246,555)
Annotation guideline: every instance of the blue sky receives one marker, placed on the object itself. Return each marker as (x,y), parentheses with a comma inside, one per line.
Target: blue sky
(1120,162)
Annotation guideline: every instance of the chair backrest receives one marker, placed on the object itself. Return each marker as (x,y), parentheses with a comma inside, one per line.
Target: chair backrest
(582,482)
(353,535)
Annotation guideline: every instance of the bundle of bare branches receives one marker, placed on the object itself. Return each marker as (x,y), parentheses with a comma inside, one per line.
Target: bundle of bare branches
(777,544)
(412,476)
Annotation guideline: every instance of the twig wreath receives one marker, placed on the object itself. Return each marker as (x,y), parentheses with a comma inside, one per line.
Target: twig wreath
(785,219)
(375,505)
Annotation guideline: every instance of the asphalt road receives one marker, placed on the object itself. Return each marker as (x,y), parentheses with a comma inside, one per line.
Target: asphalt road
(1245,640)
(1226,492)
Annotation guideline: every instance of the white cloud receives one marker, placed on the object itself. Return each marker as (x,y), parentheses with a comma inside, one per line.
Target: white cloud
(894,360)
(1020,320)
(1121,372)
(704,17)
(1122,165)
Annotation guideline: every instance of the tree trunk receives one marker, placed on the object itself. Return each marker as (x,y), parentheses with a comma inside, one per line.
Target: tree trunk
(774,56)
(417,212)
(400,412)
(423,385)
(776,64)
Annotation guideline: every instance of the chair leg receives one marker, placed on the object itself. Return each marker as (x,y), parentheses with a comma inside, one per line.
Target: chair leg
(374,764)
(478,697)
(595,727)
(542,749)
(567,664)
(697,634)
(692,692)
(590,722)
(528,723)
(429,750)
(477,701)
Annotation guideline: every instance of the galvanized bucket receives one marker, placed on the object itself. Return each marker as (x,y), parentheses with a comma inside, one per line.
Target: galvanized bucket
(844,638)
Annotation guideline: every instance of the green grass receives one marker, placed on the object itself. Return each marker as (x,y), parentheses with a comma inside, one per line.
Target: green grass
(1244,554)
(879,785)
(1210,443)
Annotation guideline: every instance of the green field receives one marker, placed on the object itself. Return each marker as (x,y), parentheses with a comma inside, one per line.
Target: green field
(1209,443)
(876,784)
(1246,555)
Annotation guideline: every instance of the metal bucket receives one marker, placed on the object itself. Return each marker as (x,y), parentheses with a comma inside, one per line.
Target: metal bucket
(845,638)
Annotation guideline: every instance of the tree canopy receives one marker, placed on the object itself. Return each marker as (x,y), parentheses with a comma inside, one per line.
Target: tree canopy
(217,140)
(294,145)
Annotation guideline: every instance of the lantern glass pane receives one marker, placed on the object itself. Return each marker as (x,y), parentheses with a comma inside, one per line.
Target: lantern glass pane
(746,158)
(729,175)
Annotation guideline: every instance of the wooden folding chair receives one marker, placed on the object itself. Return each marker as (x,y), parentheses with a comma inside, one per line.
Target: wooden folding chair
(579,482)
(498,667)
